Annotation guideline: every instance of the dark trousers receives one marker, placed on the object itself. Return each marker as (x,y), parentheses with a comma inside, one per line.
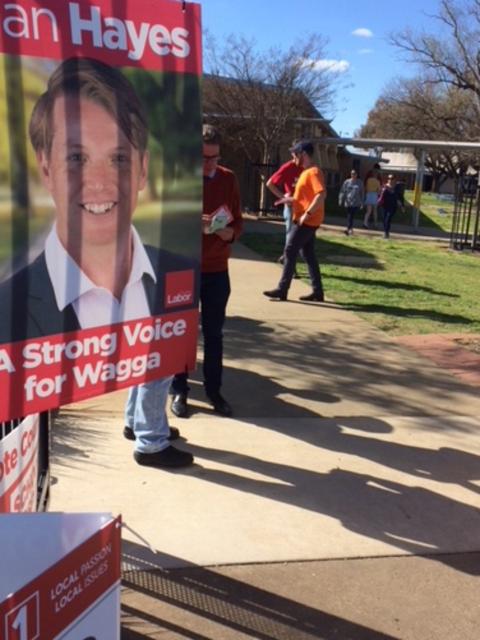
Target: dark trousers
(351,211)
(301,239)
(214,294)
(387,220)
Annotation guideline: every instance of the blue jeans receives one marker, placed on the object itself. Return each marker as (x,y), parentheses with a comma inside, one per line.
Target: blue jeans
(301,238)
(145,414)
(214,294)
(287,216)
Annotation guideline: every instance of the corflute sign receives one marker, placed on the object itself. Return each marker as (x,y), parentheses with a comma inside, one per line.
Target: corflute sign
(148,33)
(100,207)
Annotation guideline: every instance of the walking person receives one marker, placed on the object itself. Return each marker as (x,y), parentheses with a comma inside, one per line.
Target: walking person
(308,214)
(282,185)
(373,186)
(388,202)
(351,197)
(221,200)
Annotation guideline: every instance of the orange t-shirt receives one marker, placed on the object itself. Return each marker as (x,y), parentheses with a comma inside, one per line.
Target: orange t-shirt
(310,183)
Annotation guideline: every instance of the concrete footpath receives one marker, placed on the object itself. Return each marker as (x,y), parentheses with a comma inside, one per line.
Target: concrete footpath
(341,501)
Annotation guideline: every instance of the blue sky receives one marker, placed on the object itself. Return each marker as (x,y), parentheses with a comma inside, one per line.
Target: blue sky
(357,39)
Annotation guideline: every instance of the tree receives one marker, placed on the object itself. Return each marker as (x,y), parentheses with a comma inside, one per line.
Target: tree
(453,57)
(254,96)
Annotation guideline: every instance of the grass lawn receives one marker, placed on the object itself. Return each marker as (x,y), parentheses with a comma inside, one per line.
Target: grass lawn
(434,212)
(400,287)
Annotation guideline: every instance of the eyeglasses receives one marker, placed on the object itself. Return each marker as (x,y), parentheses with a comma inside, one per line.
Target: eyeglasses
(211,157)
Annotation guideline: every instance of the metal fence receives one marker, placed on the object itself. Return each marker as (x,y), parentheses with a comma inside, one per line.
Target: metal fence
(466,215)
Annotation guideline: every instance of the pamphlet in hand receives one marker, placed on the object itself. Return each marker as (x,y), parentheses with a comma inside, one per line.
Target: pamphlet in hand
(217,220)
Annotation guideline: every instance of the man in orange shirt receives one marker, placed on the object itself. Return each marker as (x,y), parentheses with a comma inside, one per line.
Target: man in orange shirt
(308,214)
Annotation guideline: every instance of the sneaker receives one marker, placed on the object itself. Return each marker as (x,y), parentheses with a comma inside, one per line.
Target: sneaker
(313,297)
(220,405)
(281,259)
(129,435)
(275,294)
(179,405)
(168,458)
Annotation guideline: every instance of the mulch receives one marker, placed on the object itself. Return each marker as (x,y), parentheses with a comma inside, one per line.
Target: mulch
(458,353)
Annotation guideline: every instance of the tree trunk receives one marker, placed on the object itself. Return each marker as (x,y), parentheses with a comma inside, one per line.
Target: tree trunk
(263,181)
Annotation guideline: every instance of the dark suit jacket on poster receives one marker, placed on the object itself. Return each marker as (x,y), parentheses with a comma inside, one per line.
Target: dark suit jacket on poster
(28,308)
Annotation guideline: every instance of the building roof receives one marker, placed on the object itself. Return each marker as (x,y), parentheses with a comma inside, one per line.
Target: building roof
(400,161)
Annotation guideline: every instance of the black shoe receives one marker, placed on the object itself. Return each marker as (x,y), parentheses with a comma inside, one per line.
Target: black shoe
(276,294)
(167,458)
(313,297)
(179,405)
(129,435)
(220,405)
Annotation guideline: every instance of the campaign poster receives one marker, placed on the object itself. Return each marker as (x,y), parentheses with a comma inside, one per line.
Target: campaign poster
(19,467)
(71,589)
(100,197)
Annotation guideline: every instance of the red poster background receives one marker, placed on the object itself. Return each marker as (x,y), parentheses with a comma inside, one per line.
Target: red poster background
(55,383)
(142,16)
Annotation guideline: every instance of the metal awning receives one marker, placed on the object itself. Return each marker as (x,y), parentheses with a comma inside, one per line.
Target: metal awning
(369,143)
(422,146)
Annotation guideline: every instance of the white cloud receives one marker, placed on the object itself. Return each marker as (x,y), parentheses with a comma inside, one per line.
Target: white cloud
(335,66)
(363,33)
(365,52)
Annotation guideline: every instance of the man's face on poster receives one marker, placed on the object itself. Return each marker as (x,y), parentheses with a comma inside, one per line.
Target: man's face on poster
(93,173)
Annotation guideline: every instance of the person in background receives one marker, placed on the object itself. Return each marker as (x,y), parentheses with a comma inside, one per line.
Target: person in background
(373,185)
(282,184)
(222,224)
(308,214)
(351,197)
(400,193)
(388,202)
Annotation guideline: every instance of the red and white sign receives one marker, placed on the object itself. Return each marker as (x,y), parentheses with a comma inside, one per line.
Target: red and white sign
(77,595)
(19,468)
(179,288)
(153,37)
(37,375)
(151,34)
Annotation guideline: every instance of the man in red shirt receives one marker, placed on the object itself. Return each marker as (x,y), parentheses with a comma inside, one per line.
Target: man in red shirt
(222,224)
(308,214)
(282,184)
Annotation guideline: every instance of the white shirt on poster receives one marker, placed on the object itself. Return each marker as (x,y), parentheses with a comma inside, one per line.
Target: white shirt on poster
(93,305)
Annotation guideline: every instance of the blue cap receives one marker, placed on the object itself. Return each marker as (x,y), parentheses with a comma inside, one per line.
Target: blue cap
(302,146)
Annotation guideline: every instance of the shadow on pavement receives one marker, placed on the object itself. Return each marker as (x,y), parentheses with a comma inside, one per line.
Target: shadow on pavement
(411,518)
(329,364)
(208,597)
